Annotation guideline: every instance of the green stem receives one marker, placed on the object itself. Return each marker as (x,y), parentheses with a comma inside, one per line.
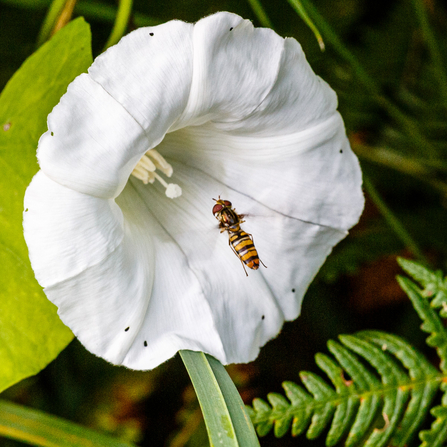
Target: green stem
(260,13)
(411,128)
(297,5)
(38,428)
(409,166)
(121,21)
(433,48)
(50,20)
(394,222)
(224,412)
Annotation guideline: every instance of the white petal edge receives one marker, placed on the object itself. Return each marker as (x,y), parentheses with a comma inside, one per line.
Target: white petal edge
(299,100)
(92,143)
(234,68)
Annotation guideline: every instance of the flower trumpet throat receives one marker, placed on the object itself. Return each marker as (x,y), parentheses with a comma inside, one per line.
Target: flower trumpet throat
(145,171)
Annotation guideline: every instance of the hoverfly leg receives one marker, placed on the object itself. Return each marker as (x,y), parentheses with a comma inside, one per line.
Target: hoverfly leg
(235,252)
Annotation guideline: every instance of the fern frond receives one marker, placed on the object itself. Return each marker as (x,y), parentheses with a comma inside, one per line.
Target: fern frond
(434,284)
(365,383)
(392,375)
(432,323)
(422,396)
(436,436)
(380,388)
(370,373)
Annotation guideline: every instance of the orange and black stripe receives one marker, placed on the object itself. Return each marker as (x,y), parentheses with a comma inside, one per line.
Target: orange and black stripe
(244,248)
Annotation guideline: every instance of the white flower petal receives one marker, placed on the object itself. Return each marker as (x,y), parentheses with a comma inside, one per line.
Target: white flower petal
(312,175)
(66,231)
(235,67)
(151,310)
(237,303)
(247,311)
(149,73)
(92,143)
(298,101)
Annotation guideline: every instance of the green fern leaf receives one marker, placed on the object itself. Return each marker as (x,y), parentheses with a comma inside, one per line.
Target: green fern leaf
(395,397)
(437,434)
(366,381)
(419,370)
(346,409)
(351,407)
(435,286)
(262,410)
(303,413)
(323,393)
(421,274)
(280,406)
(380,388)
(431,321)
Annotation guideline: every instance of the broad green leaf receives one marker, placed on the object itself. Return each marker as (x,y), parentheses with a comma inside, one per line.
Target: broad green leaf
(31,334)
(38,428)
(226,419)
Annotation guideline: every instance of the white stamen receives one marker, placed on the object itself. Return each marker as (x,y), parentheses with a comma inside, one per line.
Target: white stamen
(145,171)
(173,191)
(160,162)
(147,163)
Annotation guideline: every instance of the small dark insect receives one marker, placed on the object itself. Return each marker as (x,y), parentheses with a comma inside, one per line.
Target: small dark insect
(240,242)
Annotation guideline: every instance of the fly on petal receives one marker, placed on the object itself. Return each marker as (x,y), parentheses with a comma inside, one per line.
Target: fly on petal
(118,220)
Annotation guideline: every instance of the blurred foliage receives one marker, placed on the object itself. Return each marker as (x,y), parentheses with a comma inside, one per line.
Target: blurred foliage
(32,334)
(407,164)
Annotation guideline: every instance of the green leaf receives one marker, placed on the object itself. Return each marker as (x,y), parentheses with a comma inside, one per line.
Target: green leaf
(419,369)
(359,408)
(38,428)
(436,436)
(432,323)
(31,334)
(429,280)
(227,422)
(434,284)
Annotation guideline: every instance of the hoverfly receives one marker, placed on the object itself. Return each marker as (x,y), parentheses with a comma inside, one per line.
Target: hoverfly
(240,242)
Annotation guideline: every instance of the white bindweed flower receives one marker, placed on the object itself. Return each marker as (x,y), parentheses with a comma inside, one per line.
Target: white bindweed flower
(119,220)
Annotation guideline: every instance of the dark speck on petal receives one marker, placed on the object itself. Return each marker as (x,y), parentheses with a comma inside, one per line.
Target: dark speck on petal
(145,343)
(293,290)
(262,317)
(127,328)
(341,151)
(231,29)
(52,134)
(151,34)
